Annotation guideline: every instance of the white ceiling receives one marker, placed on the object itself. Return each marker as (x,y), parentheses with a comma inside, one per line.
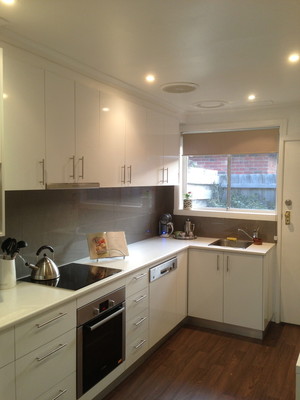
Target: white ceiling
(229,48)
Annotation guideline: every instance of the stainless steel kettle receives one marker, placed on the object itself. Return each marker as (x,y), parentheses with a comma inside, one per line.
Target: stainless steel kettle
(45,268)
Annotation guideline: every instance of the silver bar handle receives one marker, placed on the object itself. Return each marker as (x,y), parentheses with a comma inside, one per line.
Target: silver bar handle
(43,171)
(140,276)
(140,321)
(130,171)
(227,264)
(218,259)
(140,298)
(140,344)
(61,392)
(167,174)
(60,347)
(73,167)
(82,167)
(51,320)
(124,173)
(100,323)
(162,175)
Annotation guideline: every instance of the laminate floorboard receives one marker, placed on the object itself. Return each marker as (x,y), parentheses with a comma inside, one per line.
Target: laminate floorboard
(198,364)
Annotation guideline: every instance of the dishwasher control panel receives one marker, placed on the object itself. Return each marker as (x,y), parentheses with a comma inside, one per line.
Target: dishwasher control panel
(162,269)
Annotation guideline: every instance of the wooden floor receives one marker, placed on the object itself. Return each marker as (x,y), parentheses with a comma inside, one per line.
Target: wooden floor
(197,364)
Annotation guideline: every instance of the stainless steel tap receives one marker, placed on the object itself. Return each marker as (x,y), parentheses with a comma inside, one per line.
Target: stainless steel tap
(254,234)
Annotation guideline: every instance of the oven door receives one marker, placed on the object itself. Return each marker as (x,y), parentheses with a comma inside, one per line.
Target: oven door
(100,347)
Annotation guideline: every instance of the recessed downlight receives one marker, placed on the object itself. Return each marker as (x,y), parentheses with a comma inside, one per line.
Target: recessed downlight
(8,2)
(105,109)
(251,97)
(179,87)
(150,78)
(294,57)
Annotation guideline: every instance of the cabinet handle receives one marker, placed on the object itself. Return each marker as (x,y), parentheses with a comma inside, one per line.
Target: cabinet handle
(162,175)
(140,321)
(43,171)
(124,173)
(82,167)
(51,320)
(227,264)
(61,392)
(140,276)
(130,170)
(73,167)
(140,298)
(60,347)
(167,174)
(140,344)
(218,266)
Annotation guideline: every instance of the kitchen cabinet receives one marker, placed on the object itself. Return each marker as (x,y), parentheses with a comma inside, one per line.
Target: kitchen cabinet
(60,129)
(7,382)
(137,316)
(229,288)
(24,126)
(124,143)
(72,131)
(163,147)
(46,353)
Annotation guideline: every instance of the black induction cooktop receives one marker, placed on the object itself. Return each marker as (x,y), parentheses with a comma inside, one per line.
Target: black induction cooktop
(75,276)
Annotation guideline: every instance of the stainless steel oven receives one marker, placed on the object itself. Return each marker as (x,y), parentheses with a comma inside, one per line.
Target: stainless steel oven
(100,339)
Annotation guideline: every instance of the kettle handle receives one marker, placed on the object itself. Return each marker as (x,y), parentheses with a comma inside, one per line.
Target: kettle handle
(44,248)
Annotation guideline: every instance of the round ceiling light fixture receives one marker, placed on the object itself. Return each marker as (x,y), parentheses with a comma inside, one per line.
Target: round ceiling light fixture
(179,87)
(210,104)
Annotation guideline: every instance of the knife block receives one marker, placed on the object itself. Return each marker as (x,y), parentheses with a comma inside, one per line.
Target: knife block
(7,274)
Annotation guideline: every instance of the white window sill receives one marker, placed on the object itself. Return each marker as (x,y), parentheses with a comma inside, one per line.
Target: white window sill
(260,216)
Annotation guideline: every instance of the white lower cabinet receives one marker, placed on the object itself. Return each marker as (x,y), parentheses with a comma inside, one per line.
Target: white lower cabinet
(137,316)
(64,390)
(229,288)
(7,382)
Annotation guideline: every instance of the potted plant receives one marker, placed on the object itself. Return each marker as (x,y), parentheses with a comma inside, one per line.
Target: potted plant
(187,201)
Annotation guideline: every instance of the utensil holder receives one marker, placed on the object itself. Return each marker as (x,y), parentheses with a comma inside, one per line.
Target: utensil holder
(7,274)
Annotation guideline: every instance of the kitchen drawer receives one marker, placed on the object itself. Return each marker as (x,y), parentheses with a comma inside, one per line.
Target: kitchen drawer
(7,346)
(137,281)
(7,382)
(39,330)
(40,370)
(64,390)
(137,324)
(136,303)
(137,347)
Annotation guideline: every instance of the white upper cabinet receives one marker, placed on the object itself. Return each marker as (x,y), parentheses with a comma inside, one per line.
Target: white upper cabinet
(87,128)
(136,149)
(60,129)
(171,146)
(112,140)
(155,145)
(24,126)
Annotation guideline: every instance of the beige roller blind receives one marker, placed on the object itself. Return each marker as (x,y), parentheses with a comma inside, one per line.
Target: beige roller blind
(231,142)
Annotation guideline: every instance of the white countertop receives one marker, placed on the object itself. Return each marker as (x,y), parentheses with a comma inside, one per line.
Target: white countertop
(27,299)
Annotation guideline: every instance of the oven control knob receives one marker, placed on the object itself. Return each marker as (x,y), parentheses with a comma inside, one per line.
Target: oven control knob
(96,311)
(111,303)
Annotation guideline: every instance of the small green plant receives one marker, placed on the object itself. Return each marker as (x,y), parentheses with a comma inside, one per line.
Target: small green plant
(187,196)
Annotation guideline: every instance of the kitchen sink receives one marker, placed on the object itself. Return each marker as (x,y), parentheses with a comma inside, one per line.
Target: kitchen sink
(239,244)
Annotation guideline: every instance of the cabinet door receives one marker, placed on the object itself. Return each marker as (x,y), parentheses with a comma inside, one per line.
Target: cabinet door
(87,111)
(205,285)
(155,135)
(24,126)
(112,140)
(243,290)
(136,152)
(7,382)
(171,151)
(60,134)
(181,288)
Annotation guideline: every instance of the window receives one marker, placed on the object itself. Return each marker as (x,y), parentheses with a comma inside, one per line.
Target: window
(238,181)
(231,170)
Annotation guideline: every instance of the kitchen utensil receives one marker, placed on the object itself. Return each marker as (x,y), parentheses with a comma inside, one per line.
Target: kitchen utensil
(166,227)
(5,245)
(19,245)
(189,228)
(45,268)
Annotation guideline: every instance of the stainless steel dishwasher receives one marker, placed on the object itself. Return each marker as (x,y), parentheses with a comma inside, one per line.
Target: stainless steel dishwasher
(163,305)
